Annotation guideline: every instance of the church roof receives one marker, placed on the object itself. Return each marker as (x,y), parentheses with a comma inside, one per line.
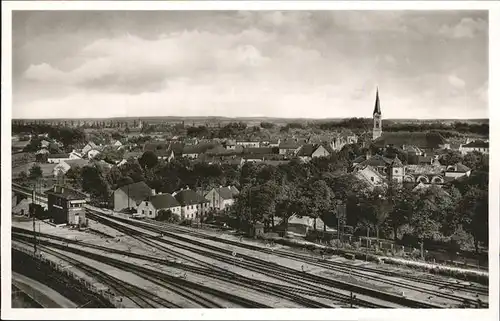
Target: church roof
(396,162)
(423,140)
(377,110)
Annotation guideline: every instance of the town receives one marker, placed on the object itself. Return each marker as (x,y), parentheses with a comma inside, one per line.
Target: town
(218,212)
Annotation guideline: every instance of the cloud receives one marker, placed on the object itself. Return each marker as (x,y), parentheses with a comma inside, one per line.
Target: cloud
(482,92)
(288,64)
(456,81)
(466,28)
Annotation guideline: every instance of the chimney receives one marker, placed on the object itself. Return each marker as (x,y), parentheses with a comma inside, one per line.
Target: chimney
(368,154)
(153,192)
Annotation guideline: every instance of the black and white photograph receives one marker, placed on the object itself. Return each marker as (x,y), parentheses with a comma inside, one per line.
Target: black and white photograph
(248,159)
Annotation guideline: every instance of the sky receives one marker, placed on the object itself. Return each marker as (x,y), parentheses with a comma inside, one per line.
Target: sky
(292,64)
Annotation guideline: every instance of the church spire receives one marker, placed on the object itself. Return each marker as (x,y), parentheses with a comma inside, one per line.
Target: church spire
(376,110)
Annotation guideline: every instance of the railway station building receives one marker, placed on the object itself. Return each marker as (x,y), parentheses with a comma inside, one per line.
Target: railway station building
(66,205)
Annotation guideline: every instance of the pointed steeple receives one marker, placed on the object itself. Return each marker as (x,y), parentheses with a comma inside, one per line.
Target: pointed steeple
(376,110)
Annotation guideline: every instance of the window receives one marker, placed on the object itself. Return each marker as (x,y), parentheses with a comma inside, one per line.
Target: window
(395,171)
(146,203)
(373,179)
(142,211)
(150,212)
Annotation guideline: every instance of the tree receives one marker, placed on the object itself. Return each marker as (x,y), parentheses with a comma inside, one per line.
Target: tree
(474,207)
(400,214)
(148,160)
(451,158)
(167,216)
(319,199)
(22,176)
(35,172)
(94,183)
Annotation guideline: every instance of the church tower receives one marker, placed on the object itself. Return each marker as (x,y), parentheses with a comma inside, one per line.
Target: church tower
(396,170)
(377,119)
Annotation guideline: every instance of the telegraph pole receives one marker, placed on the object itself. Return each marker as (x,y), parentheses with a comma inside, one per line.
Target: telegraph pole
(33,216)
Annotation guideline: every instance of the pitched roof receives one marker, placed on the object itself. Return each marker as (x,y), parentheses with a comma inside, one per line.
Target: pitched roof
(258,150)
(376,160)
(77,162)
(477,144)
(396,162)
(67,193)
(160,149)
(458,168)
(290,144)
(58,156)
(226,192)
(137,191)
(307,150)
(377,110)
(234,190)
(366,174)
(189,197)
(162,201)
(424,169)
(430,140)
(92,144)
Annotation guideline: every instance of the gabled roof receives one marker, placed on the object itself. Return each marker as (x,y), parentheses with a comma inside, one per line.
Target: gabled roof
(366,173)
(162,201)
(67,193)
(258,150)
(290,144)
(430,140)
(375,160)
(58,156)
(137,191)
(77,162)
(477,144)
(458,168)
(396,162)
(424,169)
(160,149)
(189,197)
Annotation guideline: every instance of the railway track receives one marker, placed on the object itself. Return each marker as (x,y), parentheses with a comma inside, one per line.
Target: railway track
(267,288)
(187,289)
(141,297)
(337,266)
(329,265)
(259,265)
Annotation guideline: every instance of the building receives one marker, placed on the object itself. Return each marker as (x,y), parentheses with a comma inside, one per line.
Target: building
(310,151)
(396,171)
(90,146)
(248,143)
(290,147)
(371,176)
(221,198)
(424,141)
(155,203)
(230,144)
(75,155)
(456,171)
(93,153)
(66,206)
(475,146)
(377,119)
(64,166)
(130,196)
(193,204)
(57,158)
(378,162)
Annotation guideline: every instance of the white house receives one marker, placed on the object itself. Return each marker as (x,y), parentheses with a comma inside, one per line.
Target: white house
(248,143)
(475,146)
(64,166)
(57,158)
(310,151)
(151,206)
(456,171)
(90,146)
(371,176)
(193,204)
(93,153)
(221,198)
(75,155)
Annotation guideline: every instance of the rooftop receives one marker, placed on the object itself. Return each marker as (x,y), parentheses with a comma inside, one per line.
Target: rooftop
(162,201)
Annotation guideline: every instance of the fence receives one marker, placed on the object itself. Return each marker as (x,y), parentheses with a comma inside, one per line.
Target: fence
(62,269)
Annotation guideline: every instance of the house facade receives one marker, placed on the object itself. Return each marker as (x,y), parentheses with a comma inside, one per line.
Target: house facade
(66,206)
(221,198)
(155,203)
(130,196)
(193,205)
(475,146)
